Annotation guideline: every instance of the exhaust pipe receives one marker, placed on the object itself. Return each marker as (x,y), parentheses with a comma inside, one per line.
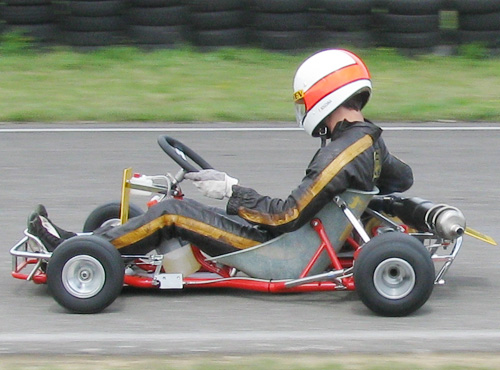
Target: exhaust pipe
(445,221)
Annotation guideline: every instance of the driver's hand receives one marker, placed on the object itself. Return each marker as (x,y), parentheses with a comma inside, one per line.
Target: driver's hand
(212,183)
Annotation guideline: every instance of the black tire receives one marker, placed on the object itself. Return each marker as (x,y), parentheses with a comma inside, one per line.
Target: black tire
(281,6)
(217,20)
(214,5)
(29,14)
(489,38)
(27,2)
(220,38)
(93,24)
(477,6)
(157,35)
(155,3)
(283,41)
(85,274)
(448,5)
(409,23)
(281,21)
(38,32)
(479,22)
(410,40)
(334,39)
(413,7)
(342,22)
(91,39)
(394,274)
(166,16)
(103,8)
(108,213)
(345,6)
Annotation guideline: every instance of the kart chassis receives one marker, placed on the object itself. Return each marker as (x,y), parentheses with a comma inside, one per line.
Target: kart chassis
(319,256)
(29,256)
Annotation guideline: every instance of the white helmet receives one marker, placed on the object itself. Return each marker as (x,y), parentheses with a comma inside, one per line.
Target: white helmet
(323,82)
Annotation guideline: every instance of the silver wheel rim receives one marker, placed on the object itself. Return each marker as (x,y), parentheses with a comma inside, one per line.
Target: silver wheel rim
(111,222)
(394,278)
(83,276)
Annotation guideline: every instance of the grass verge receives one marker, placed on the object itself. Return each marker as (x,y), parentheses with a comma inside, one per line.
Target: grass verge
(258,362)
(126,84)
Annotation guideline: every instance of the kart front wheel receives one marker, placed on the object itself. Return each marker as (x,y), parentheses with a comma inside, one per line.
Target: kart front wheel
(85,274)
(108,214)
(394,274)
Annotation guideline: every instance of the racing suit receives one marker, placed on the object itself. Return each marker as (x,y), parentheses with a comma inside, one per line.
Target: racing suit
(355,158)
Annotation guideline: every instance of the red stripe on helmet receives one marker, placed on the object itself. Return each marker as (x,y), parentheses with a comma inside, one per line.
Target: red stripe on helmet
(335,81)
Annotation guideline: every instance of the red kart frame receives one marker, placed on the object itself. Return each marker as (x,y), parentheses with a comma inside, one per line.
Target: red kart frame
(223,276)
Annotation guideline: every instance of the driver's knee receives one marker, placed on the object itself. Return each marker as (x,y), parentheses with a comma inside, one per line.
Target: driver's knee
(173,206)
(167,206)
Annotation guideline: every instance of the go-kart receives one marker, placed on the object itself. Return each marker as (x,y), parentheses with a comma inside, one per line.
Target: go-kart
(391,250)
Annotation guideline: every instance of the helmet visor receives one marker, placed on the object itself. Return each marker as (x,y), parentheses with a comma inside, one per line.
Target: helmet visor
(300,113)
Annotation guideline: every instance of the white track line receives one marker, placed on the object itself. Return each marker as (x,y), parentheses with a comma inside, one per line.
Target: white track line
(229,129)
(243,336)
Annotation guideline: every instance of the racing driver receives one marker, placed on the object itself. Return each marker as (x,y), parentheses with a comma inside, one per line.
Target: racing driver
(330,89)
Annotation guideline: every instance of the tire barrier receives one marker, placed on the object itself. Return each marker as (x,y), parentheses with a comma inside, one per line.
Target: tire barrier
(282,25)
(410,24)
(479,22)
(91,23)
(344,23)
(31,18)
(156,23)
(217,23)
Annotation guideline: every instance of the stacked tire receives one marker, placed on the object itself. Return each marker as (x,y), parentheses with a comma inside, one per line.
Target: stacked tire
(479,21)
(410,24)
(217,23)
(156,23)
(282,25)
(32,18)
(344,23)
(92,23)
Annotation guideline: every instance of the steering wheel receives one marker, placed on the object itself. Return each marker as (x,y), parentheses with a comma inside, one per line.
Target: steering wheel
(182,155)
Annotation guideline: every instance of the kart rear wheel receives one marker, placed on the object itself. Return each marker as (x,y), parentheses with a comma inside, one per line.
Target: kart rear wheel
(85,274)
(108,214)
(394,274)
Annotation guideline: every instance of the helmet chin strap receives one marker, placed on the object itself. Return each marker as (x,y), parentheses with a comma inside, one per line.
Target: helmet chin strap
(323,135)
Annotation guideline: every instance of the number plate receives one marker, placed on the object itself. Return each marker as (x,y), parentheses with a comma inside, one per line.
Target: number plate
(170,281)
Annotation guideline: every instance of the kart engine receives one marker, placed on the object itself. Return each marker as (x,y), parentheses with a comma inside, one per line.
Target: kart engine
(445,221)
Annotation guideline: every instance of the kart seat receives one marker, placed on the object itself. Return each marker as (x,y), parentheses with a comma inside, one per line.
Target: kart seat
(286,256)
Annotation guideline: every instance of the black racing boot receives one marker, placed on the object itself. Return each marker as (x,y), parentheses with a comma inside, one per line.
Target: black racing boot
(48,233)
(42,211)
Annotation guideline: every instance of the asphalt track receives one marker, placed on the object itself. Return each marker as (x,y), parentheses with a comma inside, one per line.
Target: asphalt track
(74,168)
